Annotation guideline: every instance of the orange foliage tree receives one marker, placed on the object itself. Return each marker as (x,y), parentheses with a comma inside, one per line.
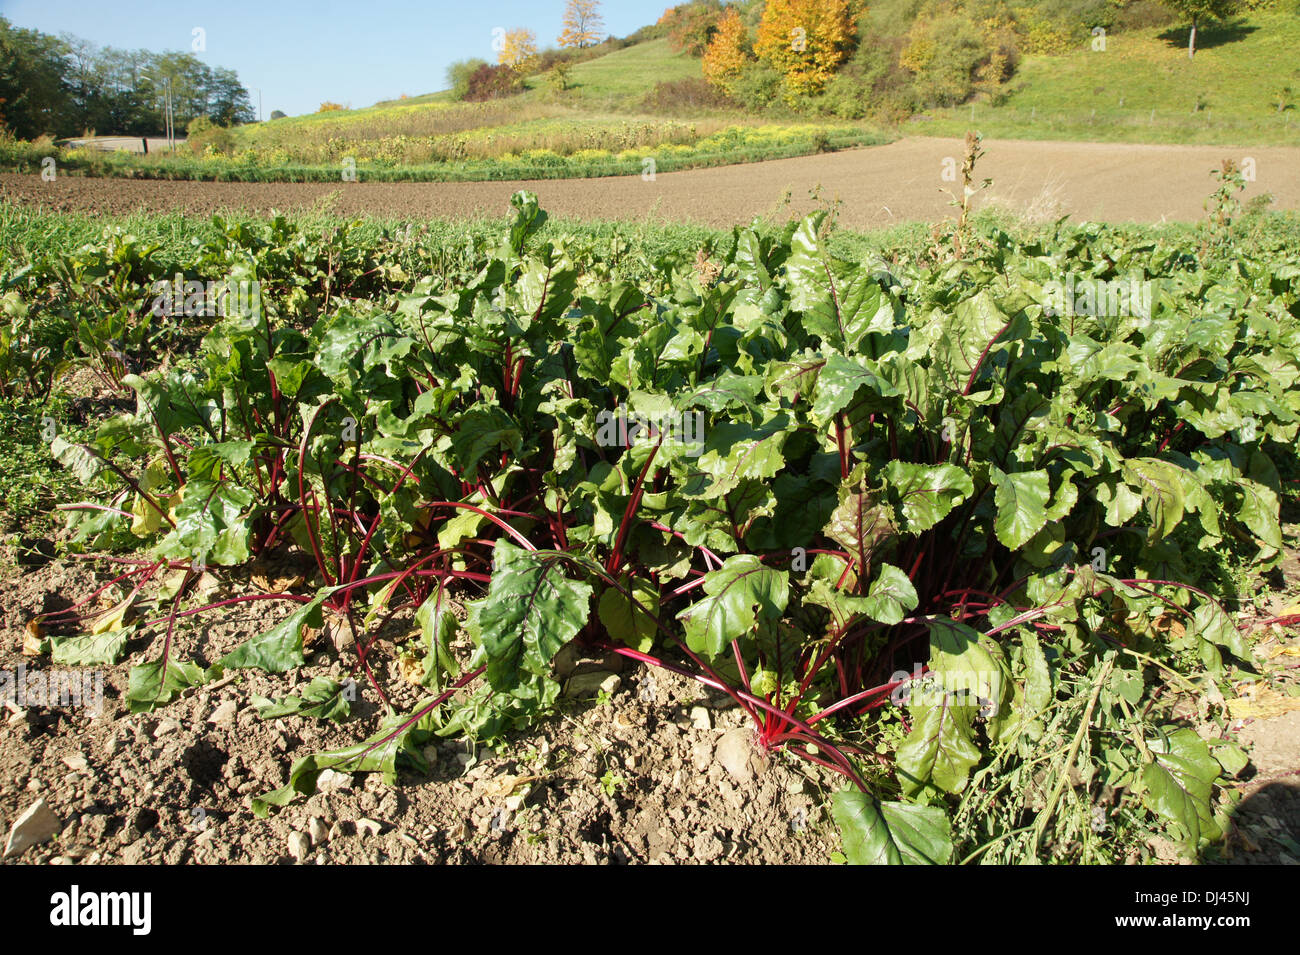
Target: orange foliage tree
(583,24)
(805,40)
(726,55)
(518,49)
(690,26)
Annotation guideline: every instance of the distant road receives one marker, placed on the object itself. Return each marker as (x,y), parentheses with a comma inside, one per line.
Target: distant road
(130,144)
(878,186)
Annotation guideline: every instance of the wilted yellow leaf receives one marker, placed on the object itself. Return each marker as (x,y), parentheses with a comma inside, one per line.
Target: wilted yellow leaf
(1261,702)
(276,585)
(411,668)
(33,638)
(116,618)
(507,785)
(145,519)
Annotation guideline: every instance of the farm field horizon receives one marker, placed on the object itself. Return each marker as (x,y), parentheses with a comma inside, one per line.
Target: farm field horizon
(871,188)
(774,432)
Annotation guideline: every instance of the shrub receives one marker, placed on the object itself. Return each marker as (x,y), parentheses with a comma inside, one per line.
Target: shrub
(202,133)
(328,107)
(278,114)
(943,55)
(459,74)
(558,77)
(1144,15)
(757,86)
(686,96)
(493,82)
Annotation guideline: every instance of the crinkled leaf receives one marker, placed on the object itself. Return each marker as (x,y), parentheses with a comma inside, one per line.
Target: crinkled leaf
(891,833)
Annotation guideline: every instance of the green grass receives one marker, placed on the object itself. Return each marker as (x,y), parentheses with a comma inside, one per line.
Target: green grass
(622,78)
(1143,88)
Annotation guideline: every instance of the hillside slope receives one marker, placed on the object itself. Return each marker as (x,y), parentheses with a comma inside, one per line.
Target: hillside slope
(1143,88)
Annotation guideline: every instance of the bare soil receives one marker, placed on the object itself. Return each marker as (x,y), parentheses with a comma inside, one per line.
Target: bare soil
(876,186)
(633,778)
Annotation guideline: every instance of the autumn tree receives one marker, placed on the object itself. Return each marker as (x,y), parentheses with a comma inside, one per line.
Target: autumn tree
(518,49)
(727,53)
(1198,11)
(583,24)
(690,26)
(805,40)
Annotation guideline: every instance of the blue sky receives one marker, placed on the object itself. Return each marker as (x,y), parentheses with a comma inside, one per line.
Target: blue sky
(300,54)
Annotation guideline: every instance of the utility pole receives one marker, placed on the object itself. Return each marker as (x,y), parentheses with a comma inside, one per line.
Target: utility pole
(169,128)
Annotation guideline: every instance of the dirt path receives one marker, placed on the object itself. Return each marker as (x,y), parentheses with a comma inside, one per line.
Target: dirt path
(879,186)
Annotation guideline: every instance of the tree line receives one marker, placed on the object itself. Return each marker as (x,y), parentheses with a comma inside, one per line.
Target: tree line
(65,86)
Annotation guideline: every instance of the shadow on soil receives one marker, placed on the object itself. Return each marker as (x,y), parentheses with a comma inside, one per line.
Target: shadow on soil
(1265,828)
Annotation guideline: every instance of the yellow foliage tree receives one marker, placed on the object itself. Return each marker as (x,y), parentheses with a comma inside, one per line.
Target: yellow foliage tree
(582,24)
(805,40)
(725,57)
(518,49)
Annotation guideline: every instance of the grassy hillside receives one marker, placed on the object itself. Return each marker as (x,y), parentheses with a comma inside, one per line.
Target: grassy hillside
(1143,88)
(599,126)
(623,78)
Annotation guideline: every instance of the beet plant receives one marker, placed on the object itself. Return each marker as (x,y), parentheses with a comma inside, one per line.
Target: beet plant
(821,488)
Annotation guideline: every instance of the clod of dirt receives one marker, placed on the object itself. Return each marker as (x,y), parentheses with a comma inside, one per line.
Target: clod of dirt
(331,780)
(224,713)
(76,762)
(38,824)
(737,755)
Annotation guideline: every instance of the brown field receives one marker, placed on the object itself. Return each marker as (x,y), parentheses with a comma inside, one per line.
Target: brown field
(877,187)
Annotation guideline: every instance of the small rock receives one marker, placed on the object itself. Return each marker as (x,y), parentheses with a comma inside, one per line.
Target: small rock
(589,684)
(38,824)
(299,845)
(224,713)
(736,754)
(77,763)
(566,661)
(319,831)
(369,827)
(165,727)
(702,754)
(331,780)
(700,718)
